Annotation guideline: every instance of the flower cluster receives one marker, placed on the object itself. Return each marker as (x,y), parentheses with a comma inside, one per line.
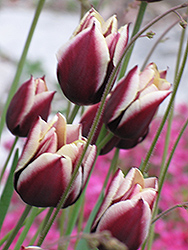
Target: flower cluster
(57,158)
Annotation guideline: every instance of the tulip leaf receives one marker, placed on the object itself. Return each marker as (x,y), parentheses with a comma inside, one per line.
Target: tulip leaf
(8,190)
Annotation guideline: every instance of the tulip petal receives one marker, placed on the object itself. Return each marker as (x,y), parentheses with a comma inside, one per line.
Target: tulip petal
(40,107)
(87,48)
(141,112)
(43,182)
(128,221)
(23,101)
(124,93)
(74,133)
(133,177)
(121,44)
(113,187)
(31,144)
(149,195)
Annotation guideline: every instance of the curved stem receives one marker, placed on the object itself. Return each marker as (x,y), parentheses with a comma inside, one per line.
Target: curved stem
(21,63)
(181,205)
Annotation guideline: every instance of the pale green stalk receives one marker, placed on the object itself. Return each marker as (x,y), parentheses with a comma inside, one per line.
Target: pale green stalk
(8,158)
(17,227)
(159,216)
(27,226)
(21,63)
(98,117)
(73,114)
(137,26)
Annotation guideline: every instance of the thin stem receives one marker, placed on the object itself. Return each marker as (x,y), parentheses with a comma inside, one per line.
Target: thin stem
(73,114)
(162,179)
(137,25)
(21,63)
(28,224)
(8,158)
(18,226)
(181,205)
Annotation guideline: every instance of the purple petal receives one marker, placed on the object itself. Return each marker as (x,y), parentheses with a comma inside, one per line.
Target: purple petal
(78,81)
(128,221)
(43,182)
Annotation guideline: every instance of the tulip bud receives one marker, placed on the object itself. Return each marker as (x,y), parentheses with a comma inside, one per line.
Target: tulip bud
(126,208)
(30,101)
(87,60)
(134,102)
(47,163)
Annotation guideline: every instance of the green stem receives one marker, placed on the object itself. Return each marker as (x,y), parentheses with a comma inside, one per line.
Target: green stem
(162,179)
(137,25)
(8,158)
(21,63)
(182,205)
(28,224)
(73,114)
(18,226)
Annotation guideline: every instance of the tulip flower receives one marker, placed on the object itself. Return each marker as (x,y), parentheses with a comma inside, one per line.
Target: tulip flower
(31,100)
(87,60)
(134,102)
(127,207)
(47,163)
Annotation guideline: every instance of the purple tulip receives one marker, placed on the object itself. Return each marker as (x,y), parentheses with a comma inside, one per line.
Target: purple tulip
(127,207)
(134,102)
(30,101)
(87,60)
(47,163)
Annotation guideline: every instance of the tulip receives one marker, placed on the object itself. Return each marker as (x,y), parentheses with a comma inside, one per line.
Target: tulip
(134,102)
(87,60)
(127,207)
(48,161)
(31,100)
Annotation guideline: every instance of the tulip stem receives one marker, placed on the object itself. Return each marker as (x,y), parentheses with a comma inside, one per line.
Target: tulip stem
(8,158)
(161,182)
(159,216)
(137,25)
(73,114)
(18,226)
(21,63)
